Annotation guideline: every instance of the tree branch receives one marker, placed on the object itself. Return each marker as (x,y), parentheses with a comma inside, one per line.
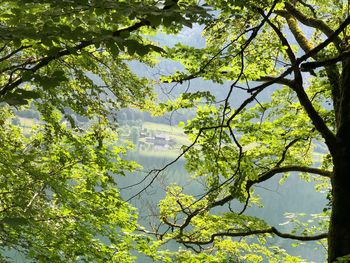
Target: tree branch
(283,81)
(254,31)
(323,63)
(13,52)
(288,168)
(304,57)
(271,230)
(277,170)
(298,34)
(269,174)
(304,100)
(306,45)
(313,22)
(46,60)
(284,153)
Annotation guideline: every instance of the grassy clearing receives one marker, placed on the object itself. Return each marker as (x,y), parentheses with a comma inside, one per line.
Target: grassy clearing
(174,132)
(165,154)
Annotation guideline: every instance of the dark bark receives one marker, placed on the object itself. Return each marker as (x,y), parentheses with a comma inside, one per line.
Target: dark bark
(339,232)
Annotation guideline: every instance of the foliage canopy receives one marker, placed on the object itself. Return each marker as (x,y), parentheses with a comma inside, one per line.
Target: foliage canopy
(68,60)
(59,200)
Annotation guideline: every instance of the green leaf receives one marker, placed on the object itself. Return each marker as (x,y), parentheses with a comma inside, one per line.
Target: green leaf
(15,221)
(20,97)
(155,20)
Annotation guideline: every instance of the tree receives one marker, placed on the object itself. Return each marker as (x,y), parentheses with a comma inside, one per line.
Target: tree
(134,135)
(68,59)
(299,51)
(57,194)
(60,202)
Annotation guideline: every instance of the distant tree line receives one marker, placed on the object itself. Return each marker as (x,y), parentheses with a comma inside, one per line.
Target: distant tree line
(125,116)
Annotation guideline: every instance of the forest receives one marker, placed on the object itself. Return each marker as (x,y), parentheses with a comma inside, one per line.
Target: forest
(174,131)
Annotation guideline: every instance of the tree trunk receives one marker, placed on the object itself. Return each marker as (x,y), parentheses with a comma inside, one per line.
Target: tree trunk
(339,232)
